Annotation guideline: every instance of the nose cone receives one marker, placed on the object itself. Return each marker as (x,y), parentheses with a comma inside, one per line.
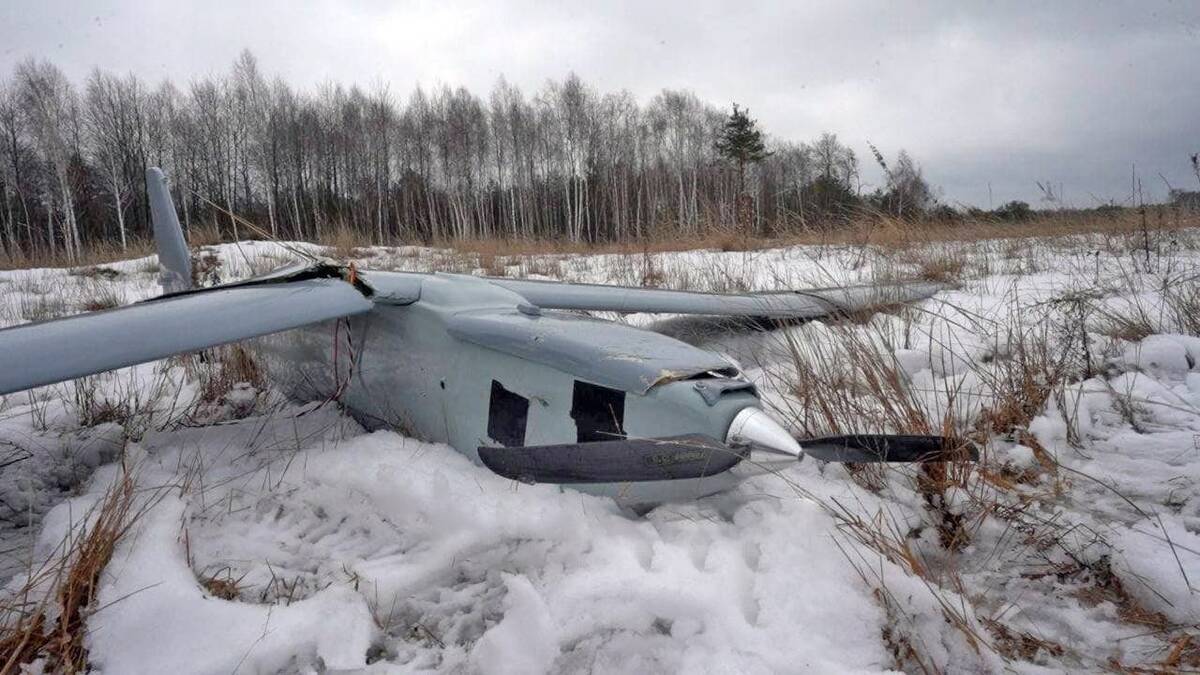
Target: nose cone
(753,427)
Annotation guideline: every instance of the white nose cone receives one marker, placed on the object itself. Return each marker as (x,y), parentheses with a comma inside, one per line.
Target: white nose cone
(754,427)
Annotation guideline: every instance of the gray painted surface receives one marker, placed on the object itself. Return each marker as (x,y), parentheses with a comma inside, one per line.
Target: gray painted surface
(411,373)
(394,288)
(173,256)
(52,351)
(603,352)
(787,304)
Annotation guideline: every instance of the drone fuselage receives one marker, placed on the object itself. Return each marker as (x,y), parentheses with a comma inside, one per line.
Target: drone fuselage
(464,362)
(485,365)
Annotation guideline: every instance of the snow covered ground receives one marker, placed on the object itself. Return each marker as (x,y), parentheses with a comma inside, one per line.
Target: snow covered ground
(281,537)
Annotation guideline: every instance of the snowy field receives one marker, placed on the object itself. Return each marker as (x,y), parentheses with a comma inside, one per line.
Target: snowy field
(274,536)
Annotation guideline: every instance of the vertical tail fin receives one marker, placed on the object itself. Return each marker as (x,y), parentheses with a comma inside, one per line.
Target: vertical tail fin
(173,256)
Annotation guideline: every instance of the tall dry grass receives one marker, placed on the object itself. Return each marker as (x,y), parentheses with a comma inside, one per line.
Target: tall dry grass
(842,376)
(866,230)
(97,253)
(45,620)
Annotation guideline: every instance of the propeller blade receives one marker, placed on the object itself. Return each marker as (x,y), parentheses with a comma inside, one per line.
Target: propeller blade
(863,448)
(617,461)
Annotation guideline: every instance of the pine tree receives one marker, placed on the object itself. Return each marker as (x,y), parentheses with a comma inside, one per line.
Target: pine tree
(740,141)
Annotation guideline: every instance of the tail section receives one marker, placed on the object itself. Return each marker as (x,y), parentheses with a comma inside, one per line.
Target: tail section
(173,256)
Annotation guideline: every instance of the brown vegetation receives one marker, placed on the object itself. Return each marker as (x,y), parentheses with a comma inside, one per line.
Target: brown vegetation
(46,618)
(1123,229)
(221,370)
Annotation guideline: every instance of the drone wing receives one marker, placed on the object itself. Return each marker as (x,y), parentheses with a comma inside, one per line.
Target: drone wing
(182,321)
(800,304)
(43,353)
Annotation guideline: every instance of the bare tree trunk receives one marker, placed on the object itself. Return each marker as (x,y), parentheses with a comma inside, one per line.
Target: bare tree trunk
(379,211)
(9,224)
(49,202)
(119,207)
(296,210)
(271,214)
(70,226)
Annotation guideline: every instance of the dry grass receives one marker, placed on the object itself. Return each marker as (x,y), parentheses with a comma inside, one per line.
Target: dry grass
(343,243)
(946,266)
(1126,230)
(225,587)
(1020,645)
(844,377)
(95,272)
(492,265)
(1019,380)
(41,307)
(847,380)
(1132,327)
(40,300)
(94,254)
(1183,306)
(269,262)
(1135,319)
(101,297)
(540,265)
(205,234)
(124,399)
(206,268)
(93,409)
(1105,586)
(46,618)
(885,537)
(1125,227)
(219,372)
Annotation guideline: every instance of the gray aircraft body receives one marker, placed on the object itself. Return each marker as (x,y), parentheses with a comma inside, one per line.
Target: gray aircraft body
(506,371)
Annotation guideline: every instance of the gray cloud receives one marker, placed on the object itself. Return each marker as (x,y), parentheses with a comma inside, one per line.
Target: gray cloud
(998,94)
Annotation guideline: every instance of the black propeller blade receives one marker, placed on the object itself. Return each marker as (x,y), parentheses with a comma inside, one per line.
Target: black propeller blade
(617,461)
(863,448)
(694,456)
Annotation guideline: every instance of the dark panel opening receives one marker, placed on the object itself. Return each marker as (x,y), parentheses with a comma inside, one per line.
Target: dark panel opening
(599,412)
(507,415)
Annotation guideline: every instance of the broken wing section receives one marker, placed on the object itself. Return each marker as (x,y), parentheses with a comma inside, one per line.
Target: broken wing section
(43,353)
(799,304)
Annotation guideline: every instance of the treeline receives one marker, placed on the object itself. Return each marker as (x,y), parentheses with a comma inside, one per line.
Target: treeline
(563,162)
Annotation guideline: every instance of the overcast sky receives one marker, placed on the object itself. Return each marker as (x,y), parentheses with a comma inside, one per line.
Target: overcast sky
(999,94)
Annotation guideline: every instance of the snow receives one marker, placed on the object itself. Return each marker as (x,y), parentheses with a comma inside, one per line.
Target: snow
(156,618)
(372,552)
(1161,354)
(525,640)
(1165,563)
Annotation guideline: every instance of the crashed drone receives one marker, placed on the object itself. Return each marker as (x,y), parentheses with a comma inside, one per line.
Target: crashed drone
(491,367)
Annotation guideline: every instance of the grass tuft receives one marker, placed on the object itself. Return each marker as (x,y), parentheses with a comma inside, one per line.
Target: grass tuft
(223,372)
(101,298)
(45,620)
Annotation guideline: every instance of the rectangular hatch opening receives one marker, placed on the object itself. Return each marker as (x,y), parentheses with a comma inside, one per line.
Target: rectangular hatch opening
(508,413)
(599,412)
